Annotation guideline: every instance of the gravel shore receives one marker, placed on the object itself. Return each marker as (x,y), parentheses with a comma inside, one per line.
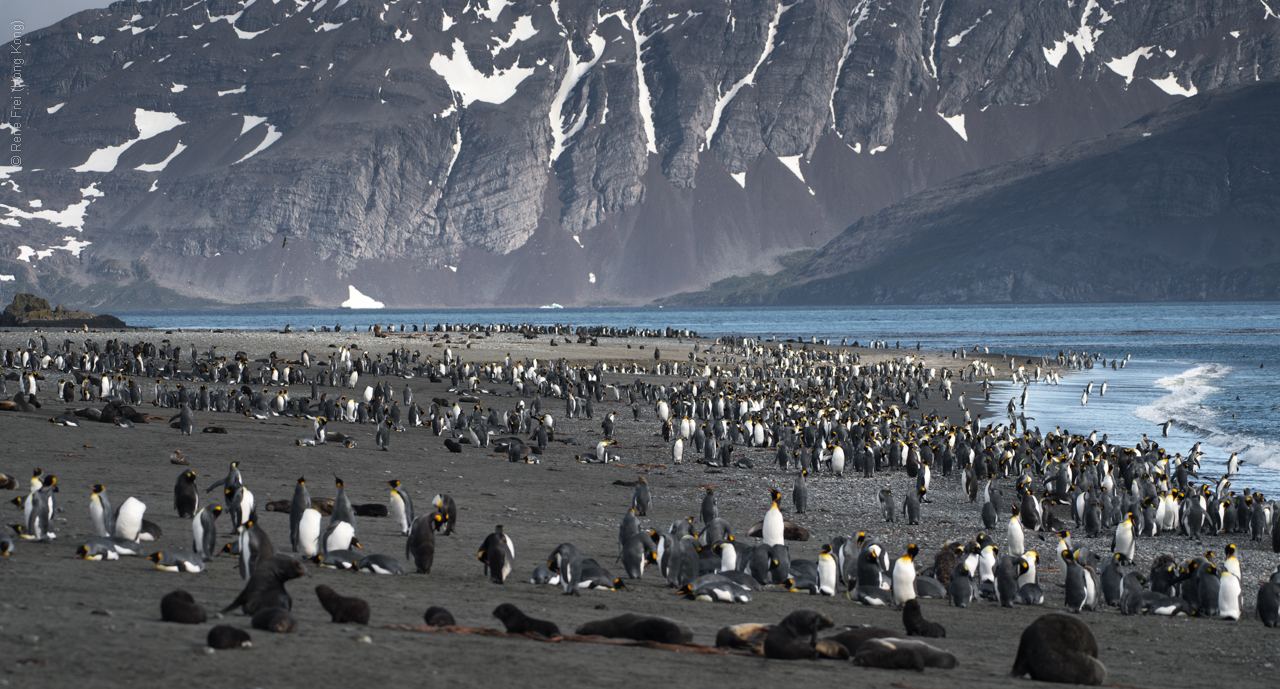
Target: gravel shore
(67,621)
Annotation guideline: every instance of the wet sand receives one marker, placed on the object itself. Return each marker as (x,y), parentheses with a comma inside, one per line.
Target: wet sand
(64,621)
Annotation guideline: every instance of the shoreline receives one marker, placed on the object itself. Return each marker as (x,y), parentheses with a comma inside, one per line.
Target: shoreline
(541,505)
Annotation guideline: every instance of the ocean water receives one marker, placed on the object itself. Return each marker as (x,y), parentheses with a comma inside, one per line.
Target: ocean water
(1211,368)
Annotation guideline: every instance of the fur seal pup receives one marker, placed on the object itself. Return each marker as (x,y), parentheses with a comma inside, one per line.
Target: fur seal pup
(185,498)
(276,620)
(341,608)
(1059,648)
(796,636)
(917,625)
(437,616)
(517,622)
(179,606)
(224,636)
(639,628)
(266,588)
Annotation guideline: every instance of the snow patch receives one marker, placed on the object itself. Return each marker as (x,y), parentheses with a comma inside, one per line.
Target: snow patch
(1171,86)
(572,76)
(250,121)
(856,17)
(357,300)
(70,218)
(446,22)
(7,278)
(126,65)
(793,164)
(1085,35)
(1270,12)
(177,88)
(740,178)
(403,36)
(1054,56)
(91,191)
(72,245)
(726,97)
(149,124)
(1125,65)
(155,184)
(522,31)
(25,253)
(646,105)
(473,85)
(228,93)
(54,108)
(157,167)
(579,241)
(35,203)
(327,27)
(495,9)
(957,123)
(272,136)
(591,277)
(97,39)
(955,40)
(879,149)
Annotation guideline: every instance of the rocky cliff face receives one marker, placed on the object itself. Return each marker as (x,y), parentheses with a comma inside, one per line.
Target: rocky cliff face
(1182,205)
(472,152)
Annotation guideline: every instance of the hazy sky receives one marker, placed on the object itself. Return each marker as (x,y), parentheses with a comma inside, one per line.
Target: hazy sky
(37,14)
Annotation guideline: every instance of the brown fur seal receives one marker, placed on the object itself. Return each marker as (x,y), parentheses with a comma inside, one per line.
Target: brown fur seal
(796,636)
(266,588)
(517,622)
(888,657)
(917,625)
(276,620)
(1059,648)
(888,648)
(640,628)
(750,636)
(857,636)
(225,636)
(342,609)
(437,616)
(179,606)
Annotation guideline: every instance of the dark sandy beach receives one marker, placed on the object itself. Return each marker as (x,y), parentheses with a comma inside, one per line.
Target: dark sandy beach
(66,622)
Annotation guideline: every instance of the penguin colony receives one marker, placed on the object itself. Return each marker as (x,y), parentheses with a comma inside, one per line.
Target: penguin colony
(814,412)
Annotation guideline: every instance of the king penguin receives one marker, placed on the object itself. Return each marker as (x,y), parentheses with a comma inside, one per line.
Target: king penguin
(401,506)
(342,511)
(709,510)
(1016,545)
(1229,594)
(827,572)
(496,553)
(100,512)
(800,492)
(300,503)
(771,533)
(904,576)
(1123,542)
(204,531)
(309,532)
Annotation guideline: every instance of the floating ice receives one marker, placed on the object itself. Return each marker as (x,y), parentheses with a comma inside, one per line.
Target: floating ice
(360,301)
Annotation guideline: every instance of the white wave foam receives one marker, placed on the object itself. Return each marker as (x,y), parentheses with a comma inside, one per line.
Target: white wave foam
(1186,391)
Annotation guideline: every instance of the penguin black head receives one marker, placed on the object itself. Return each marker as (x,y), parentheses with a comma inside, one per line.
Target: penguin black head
(337,482)
(913,550)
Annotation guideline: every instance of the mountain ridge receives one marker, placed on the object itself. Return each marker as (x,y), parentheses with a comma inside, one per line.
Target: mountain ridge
(489,152)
